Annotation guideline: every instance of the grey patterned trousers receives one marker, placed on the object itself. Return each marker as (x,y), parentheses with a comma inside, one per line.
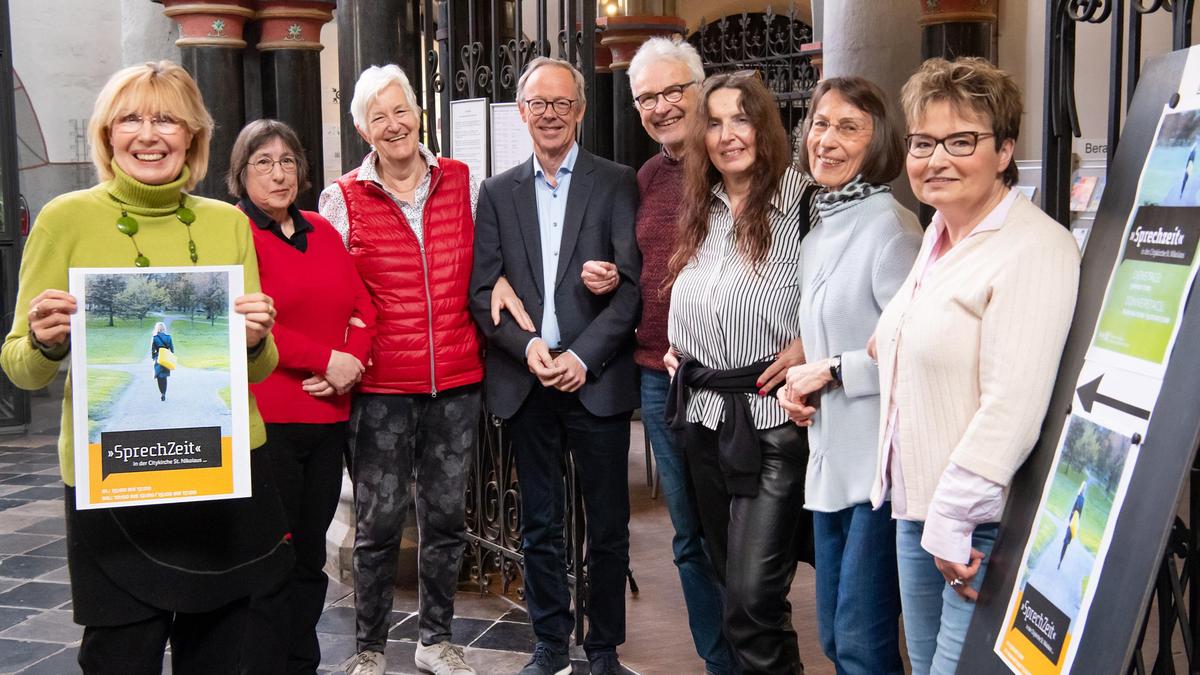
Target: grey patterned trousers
(395,438)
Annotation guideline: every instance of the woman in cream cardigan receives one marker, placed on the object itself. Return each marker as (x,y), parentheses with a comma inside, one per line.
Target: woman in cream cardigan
(967,349)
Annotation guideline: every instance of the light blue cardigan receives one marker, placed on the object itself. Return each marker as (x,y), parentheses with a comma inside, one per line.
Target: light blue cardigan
(851,264)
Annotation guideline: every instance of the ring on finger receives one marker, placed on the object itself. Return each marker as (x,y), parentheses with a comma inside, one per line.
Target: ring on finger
(955,583)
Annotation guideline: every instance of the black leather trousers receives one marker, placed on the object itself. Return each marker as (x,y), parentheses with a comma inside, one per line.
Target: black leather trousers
(755,542)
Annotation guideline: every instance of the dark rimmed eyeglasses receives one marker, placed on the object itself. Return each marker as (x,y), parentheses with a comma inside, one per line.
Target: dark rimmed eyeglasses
(538,106)
(672,94)
(961,144)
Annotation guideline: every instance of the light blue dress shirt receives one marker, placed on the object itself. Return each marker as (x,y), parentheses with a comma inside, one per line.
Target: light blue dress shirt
(552,211)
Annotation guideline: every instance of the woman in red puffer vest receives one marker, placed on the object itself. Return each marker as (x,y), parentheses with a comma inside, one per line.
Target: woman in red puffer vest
(407,218)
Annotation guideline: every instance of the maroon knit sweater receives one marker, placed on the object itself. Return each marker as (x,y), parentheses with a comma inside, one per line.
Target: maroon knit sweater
(660,182)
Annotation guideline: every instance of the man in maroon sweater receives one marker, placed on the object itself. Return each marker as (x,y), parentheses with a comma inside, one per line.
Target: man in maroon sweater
(665,77)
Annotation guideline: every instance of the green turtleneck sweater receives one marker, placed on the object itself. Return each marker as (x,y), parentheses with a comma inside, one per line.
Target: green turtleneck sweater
(79,229)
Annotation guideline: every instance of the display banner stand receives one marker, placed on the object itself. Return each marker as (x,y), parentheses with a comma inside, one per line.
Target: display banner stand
(1144,549)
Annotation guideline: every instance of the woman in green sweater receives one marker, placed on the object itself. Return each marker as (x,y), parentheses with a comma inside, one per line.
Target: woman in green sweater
(145,574)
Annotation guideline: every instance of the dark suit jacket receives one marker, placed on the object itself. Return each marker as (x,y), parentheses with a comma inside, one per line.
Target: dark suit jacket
(599,225)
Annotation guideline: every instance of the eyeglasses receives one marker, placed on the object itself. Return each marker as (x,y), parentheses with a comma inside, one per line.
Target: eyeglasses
(265,165)
(847,131)
(538,106)
(961,144)
(163,124)
(672,94)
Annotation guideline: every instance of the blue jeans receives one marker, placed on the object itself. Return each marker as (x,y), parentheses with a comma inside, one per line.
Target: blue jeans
(935,617)
(701,591)
(858,593)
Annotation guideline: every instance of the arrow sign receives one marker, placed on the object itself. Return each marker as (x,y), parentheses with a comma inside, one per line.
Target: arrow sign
(1090,393)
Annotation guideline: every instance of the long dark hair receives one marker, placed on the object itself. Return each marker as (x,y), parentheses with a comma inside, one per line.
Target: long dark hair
(772,155)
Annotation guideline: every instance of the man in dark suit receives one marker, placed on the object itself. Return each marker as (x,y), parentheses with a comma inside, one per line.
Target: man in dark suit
(572,384)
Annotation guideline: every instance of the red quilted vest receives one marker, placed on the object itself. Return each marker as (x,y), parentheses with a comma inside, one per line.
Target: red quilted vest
(425,338)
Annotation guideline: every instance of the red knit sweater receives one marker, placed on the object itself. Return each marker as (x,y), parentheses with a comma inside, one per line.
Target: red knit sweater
(660,183)
(315,292)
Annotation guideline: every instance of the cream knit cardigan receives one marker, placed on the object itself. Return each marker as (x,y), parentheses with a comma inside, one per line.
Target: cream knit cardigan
(971,360)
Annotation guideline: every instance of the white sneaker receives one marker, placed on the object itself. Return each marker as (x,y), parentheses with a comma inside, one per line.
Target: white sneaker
(366,662)
(443,658)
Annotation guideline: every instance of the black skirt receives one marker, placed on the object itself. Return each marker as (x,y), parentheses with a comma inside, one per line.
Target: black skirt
(128,564)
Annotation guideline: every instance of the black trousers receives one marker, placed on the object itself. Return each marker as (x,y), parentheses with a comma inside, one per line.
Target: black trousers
(548,424)
(211,643)
(307,463)
(755,542)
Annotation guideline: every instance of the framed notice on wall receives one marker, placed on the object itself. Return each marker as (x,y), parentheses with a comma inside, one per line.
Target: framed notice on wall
(511,143)
(469,134)
(158,370)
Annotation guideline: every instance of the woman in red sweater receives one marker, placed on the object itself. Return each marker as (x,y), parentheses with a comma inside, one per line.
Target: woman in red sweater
(323,331)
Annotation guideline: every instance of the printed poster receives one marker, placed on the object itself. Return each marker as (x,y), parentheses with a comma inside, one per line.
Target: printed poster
(1149,286)
(158,370)
(1063,558)
(1116,392)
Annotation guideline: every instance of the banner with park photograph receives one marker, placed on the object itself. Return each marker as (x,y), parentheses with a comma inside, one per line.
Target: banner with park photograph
(1063,558)
(158,372)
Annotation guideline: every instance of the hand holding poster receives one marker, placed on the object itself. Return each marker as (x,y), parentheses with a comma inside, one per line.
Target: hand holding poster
(147,433)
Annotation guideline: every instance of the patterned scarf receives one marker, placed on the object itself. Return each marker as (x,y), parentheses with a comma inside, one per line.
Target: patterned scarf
(831,201)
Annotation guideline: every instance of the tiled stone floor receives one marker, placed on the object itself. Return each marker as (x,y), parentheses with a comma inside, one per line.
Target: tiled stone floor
(37,635)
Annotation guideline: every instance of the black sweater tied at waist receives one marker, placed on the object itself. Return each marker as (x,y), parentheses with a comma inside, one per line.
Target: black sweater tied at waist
(737,441)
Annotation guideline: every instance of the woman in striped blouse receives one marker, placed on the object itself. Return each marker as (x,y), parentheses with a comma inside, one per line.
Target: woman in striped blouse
(734,329)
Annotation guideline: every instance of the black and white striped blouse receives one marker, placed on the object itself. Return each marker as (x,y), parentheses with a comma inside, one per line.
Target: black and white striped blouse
(726,314)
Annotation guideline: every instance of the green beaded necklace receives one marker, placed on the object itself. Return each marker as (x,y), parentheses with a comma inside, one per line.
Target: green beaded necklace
(129,226)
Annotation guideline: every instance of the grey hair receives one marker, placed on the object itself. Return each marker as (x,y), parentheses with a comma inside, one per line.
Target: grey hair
(580,92)
(658,49)
(371,83)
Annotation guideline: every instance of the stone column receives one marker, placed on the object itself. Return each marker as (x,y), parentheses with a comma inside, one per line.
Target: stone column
(953,28)
(146,35)
(880,41)
(290,47)
(374,33)
(210,46)
(623,35)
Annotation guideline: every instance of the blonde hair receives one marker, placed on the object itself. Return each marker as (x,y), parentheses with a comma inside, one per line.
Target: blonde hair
(152,87)
(160,327)
(969,85)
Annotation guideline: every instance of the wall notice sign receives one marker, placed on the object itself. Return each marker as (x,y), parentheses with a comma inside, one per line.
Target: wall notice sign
(158,369)
(511,143)
(469,134)
(1115,397)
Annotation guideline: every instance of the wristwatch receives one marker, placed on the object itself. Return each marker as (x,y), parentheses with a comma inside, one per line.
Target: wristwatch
(835,368)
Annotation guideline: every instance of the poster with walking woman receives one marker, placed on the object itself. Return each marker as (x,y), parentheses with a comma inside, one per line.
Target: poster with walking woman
(158,372)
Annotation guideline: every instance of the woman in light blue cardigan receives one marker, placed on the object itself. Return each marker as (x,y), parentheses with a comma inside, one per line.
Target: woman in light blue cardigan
(851,264)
